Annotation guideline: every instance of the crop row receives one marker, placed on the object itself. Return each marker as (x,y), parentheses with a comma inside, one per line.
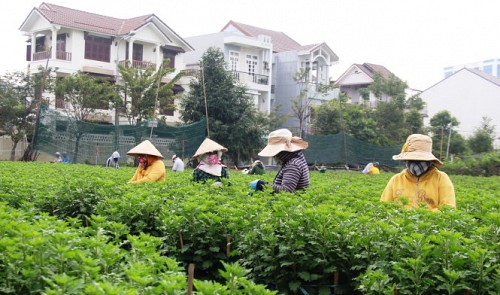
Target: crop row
(285,240)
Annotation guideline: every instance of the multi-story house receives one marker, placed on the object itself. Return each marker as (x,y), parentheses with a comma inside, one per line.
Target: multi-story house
(269,62)
(248,58)
(359,76)
(70,41)
(489,66)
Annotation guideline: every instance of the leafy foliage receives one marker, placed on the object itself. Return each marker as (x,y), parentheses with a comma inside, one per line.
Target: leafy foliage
(83,95)
(232,117)
(18,108)
(286,240)
(145,91)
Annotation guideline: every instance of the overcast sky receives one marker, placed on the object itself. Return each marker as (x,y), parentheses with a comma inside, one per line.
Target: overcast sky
(415,39)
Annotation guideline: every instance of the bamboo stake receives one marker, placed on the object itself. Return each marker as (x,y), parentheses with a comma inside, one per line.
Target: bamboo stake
(336,281)
(181,240)
(228,245)
(190,278)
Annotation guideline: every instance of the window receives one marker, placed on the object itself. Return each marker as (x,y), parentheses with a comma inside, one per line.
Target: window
(40,44)
(234,58)
(137,51)
(61,43)
(170,52)
(170,55)
(488,69)
(97,48)
(252,62)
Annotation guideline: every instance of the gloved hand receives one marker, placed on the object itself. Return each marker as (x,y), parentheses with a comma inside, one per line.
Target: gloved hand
(257,185)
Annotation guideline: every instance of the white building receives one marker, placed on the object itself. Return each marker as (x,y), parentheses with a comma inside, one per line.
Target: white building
(468,95)
(268,62)
(70,40)
(359,76)
(248,58)
(489,66)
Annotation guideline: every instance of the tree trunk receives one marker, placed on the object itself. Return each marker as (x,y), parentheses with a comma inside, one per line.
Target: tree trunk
(13,151)
(77,145)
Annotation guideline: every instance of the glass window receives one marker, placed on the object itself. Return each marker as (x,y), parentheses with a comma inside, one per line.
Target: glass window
(488,69)
(170,55)
(97,48)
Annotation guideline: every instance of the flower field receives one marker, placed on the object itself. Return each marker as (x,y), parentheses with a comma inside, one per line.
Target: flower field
(78,229)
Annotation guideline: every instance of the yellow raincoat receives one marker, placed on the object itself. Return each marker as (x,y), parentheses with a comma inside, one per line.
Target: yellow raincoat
(154,172)
(433,188)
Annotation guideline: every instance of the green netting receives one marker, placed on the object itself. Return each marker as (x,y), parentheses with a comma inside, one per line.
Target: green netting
(345,149)
(91,143)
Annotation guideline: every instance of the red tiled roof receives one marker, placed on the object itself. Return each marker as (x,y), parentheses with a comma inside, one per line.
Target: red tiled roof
(90,21)
(370,69)
(281,41)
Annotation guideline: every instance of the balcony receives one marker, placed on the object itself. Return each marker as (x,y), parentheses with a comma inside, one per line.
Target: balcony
(138,64)
(61,55)
(251,78)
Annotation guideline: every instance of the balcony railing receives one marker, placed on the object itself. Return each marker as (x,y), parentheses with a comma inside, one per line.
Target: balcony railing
(138,64)
(249,77)
(62,55)
(240,76)
(41,55)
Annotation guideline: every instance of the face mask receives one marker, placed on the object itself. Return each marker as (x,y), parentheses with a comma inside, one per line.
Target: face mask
(213,159)
(142,159)
(418,168)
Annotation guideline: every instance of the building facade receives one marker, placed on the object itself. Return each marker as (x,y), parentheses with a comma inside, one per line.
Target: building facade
(248,58)
(268,62)
(72,41)
(468,95)
(489,66)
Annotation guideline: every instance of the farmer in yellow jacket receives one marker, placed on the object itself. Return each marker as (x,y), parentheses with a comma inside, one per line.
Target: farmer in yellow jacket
(151,167)
(421,183)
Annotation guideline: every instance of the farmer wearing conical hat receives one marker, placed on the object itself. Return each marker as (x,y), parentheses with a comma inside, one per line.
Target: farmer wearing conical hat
(421,183)
(151,167)
(210,166)
(287,150)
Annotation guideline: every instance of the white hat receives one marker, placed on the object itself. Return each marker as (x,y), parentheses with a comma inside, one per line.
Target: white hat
(174,156)
(418,147)
(145,148)
(115,155)
(282,140)
(208,146)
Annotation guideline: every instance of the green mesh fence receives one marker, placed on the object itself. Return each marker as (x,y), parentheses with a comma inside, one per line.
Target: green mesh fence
(344,149)
(90,143)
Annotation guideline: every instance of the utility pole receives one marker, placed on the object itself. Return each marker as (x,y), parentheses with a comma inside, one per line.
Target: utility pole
(448,147)
(441,148)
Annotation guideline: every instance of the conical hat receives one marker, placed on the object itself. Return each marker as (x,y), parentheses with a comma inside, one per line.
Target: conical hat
(208,146)
(145,148)
(282,140)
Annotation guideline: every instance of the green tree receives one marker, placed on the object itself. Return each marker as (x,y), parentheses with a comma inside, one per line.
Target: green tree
(17,107)
(389,114)
(233,120)
(302,105)
(84,95)
(442,124)
(413,116)
(484,136)
(146,91)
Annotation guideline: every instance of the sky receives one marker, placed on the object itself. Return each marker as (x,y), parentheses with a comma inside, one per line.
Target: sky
(414,39)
